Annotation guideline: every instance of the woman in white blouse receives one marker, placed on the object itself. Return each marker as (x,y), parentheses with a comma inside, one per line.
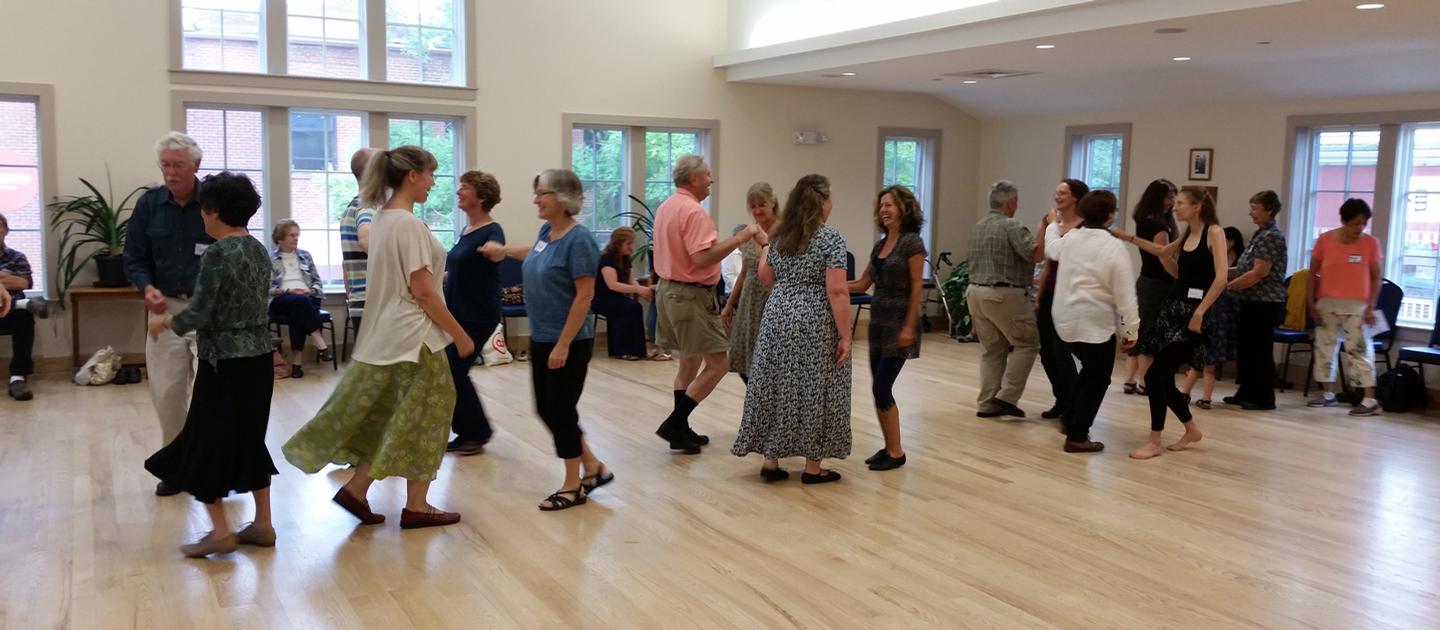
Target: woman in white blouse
(1094,302)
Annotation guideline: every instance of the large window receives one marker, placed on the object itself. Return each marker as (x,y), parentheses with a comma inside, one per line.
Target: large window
(909,158)
(226,35)
(598,158)
(233,140)
(438,136)
(662,148)
(1096,155)
(321,184)
(617,161)
(420,41)
(324,38)
(1413,258)
(1341,165)
(20,181)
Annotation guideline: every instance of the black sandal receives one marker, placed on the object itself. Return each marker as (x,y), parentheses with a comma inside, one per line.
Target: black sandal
(596,480)
(558,500)
(1204,404)
(1130,388)
(773,474)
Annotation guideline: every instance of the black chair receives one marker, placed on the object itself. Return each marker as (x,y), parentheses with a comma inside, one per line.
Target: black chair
(1422,356)
(352,327)
(327,323)
(1291,339)
(860,301)
(510,276)
(1391,296)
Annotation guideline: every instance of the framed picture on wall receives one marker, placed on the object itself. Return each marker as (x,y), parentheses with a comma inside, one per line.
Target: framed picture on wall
(1202,164)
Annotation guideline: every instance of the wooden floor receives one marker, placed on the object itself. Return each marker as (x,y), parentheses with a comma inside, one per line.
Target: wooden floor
(1289,519)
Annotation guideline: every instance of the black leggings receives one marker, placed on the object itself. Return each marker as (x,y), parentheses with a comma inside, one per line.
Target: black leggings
(1160,381)
(302,314)
(469,421)
(557,392)
(883,372)
(1055,356)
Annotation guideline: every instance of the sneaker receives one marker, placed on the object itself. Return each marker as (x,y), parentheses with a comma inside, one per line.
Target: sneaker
(20,390)
(38,307)
(1366,410)
(327,355)
(1322,401)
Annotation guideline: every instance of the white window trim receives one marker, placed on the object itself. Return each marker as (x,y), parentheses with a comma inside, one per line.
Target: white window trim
(276,76)
(44,95)
(1074,152)
(929,180)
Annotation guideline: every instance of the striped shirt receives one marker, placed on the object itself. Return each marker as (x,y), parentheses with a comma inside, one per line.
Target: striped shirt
(354,259)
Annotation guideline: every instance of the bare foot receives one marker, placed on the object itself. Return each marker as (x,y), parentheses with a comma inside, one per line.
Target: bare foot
(1186,440)
(1148,451)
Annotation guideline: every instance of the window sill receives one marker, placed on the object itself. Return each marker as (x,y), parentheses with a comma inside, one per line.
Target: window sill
(320,84)
(1419,327)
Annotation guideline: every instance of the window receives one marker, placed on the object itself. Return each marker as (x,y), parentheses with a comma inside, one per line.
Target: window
(662,148)
(321,185)
(1101,160)
(20,190)
(233,140)
(635,159)
(324,38)
(909,159)
(1413,259)
(222,35)
(420,40)
(437,136)
(597,155)
(1342,164)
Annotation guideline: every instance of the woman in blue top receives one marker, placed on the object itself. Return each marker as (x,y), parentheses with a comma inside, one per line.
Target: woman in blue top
(472,292)
(559,274)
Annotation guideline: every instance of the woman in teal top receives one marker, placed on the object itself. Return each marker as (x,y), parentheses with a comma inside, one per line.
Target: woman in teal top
(222,446)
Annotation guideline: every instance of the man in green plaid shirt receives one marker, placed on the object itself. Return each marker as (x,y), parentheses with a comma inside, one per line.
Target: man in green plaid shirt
(1002,262)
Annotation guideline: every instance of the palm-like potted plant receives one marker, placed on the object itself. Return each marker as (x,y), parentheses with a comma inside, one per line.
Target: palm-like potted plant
(642,222)
(92,227)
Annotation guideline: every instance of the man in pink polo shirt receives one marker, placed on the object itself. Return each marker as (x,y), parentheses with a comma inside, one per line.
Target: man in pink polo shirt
(687,259)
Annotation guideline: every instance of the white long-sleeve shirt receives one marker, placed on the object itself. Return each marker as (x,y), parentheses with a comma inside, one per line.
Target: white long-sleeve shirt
(1095,290)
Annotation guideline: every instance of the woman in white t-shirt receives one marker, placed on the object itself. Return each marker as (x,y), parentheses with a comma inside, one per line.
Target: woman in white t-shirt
(390,415)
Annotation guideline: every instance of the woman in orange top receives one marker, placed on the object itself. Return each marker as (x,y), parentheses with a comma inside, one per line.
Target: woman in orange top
(1345,283)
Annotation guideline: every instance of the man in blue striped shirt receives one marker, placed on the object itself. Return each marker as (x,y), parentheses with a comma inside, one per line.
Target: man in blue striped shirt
(355,241)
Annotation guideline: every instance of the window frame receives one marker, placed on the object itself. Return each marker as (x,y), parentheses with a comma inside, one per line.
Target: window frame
(929,180)
(275,73)
(1077,143)
(266,206)
(44,98)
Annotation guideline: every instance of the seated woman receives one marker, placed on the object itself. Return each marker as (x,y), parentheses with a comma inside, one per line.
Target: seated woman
(296,291)
(616,297)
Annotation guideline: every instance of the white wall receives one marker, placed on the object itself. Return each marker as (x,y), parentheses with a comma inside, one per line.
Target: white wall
(537,61)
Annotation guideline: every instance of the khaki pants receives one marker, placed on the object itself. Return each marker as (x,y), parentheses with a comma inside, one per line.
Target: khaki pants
(689,320)
(1343,320)
(1004,320)
(170,366)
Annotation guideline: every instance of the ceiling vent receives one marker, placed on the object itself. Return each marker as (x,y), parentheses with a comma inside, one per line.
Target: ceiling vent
(990,74)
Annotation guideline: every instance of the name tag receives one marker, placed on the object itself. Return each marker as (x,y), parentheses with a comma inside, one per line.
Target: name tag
(1354,259)
(200,248)
(540,246)
(1195,294)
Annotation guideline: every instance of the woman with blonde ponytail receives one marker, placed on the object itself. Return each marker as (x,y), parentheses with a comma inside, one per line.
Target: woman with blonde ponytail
(798,400)
(390,415)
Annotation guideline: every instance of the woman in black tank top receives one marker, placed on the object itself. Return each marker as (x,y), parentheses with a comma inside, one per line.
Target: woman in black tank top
(1176,333)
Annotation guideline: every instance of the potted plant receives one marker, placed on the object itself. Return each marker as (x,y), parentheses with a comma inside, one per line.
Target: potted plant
(642,222)
(91,227)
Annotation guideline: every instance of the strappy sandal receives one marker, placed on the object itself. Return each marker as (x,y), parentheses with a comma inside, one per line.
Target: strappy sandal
(597,480)
(1130,387)
(1140,390)
(559,501)
(1203,404)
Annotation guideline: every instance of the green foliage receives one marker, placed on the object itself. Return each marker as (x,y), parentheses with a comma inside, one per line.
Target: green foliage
(901,165)
(90,223)
(642,222)
(954,288)
(437,137)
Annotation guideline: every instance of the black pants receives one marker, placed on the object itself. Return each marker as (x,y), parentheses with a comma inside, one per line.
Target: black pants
(469,421)
(20,325)
(1097,363)
(1255,350)
(557,392)
(883,372)
(1160,381)
(302,314)
(1055,357)
(624,324)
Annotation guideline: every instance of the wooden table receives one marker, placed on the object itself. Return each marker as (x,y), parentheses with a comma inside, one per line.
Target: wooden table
(79,295)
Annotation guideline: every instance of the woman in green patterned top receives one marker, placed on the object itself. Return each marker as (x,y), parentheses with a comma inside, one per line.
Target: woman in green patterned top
(222,446)
(742,311)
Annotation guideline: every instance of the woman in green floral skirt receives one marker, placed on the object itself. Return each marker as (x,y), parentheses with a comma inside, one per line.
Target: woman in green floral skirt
(390,415)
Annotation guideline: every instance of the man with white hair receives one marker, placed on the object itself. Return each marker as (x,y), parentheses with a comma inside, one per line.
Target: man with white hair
(687,260)
(162,258)
(1002,259)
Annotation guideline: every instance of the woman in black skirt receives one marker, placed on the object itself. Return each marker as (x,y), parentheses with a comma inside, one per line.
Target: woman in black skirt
(222,446)
(1154,222)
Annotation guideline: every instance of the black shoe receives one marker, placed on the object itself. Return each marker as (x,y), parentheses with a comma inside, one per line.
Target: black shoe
(465,447)
(1052,413)
(20,390)
(773,474)
(297,371)
(989,414)
(162,490)
(1255,406)
(824,476)
(1233,400)
(678,440)
(702,440)
(879,455)
(1009,409)
(1088,446)
(888,463)
(327,355)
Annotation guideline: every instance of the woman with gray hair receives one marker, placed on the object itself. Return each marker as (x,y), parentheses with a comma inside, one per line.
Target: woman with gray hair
(746,304)
(559,272)
(296,291)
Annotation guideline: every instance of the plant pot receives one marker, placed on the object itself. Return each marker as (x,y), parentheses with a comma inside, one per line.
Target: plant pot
(111,270)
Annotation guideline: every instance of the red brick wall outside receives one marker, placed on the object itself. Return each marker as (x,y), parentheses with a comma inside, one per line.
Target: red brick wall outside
(313,59)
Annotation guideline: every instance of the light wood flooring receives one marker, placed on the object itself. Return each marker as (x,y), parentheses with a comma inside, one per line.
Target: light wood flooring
(1290,519)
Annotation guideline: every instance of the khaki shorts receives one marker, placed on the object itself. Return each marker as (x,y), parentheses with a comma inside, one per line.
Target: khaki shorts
(689,320)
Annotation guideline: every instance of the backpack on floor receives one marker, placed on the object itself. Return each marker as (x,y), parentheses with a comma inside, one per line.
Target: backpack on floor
(1399,390)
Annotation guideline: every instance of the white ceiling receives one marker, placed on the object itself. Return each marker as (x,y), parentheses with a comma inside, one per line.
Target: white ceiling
(1318,49)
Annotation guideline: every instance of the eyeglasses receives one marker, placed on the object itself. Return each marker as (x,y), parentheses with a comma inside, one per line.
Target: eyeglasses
(542,193)
(173,166)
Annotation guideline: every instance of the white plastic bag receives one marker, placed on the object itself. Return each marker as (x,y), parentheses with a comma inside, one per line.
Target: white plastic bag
(494,352)
(100,368)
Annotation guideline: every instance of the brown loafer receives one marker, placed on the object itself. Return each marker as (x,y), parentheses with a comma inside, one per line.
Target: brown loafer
(418,520)
(359,509)
(253,535)
(203,547)
(1088,446)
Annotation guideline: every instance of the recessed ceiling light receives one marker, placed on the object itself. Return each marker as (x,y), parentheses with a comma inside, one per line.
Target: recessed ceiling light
(1170,30)
(1263,43)
(971,82)
(1180,58)
(847,74)
(1044,46)
(1370,5)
